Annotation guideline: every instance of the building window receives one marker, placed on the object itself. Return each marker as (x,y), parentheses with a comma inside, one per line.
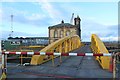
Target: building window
(61,33)
(67,33)
(15,43)
(37,41)
(55,33)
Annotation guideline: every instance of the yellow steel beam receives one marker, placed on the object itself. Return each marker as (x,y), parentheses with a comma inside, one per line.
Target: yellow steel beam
(98,47)
(36,46)
(3,77)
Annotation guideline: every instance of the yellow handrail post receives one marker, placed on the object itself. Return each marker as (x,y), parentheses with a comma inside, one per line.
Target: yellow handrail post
(65,44)
(60,50)
(70,45)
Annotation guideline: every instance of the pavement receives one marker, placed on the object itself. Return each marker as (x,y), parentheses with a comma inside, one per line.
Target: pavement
(71,67)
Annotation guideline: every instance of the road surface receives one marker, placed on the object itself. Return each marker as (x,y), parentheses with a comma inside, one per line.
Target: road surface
(71,67)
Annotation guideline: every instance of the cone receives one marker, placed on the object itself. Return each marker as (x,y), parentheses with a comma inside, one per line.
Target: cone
(111,65)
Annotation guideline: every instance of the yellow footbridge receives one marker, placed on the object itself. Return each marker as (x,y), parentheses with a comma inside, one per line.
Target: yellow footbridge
(70,43)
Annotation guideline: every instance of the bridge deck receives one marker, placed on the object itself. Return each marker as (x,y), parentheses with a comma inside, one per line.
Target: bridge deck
(75,67)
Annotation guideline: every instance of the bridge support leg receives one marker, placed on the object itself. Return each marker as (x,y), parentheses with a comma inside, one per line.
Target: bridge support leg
(65,43)
(69,45)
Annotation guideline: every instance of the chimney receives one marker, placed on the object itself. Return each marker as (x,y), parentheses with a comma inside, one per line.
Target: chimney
(62,21)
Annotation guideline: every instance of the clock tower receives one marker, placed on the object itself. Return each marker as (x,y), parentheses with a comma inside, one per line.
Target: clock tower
(77,23)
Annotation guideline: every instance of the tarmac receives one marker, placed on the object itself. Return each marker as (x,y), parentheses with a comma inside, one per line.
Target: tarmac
(70,67)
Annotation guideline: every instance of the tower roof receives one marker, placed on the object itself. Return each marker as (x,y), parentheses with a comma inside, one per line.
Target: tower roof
(78,18)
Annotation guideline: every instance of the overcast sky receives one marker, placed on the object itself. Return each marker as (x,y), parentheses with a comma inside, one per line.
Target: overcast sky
(33,18)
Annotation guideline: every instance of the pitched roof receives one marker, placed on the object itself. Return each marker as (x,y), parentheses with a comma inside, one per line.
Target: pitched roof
(62,25)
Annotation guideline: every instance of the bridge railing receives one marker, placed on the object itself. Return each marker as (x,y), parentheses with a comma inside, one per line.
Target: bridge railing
(98,47)
(63,45)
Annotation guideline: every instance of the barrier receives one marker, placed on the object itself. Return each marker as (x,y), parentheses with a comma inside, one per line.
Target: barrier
(59,54)
(4,54)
